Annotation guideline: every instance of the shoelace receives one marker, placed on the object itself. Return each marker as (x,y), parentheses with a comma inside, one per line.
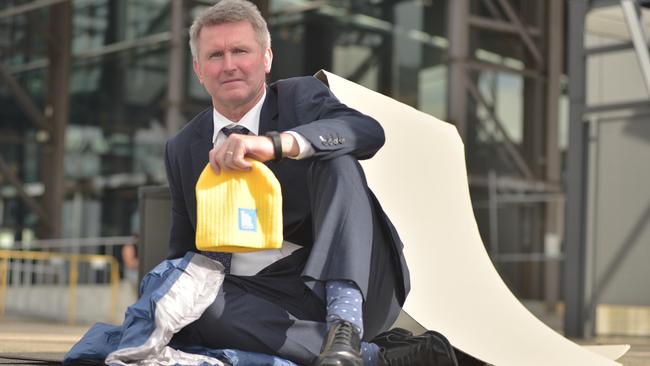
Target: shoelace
(343,334)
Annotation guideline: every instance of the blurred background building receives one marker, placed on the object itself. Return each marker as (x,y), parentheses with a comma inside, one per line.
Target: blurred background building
(550,97)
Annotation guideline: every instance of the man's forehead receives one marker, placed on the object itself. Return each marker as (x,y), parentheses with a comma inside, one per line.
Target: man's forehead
(241,24)
(218,31)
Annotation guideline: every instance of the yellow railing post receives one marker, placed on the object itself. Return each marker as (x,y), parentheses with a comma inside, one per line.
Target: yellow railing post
(115,283)
(3,282)
(74,278)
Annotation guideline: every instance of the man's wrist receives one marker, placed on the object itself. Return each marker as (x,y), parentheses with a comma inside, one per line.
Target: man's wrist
(276,140)
(290,146)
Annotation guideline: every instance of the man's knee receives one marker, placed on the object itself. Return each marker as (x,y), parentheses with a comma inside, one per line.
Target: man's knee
(339,162)
(345,168)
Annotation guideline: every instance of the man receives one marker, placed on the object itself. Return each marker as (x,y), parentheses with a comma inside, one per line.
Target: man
(341,275)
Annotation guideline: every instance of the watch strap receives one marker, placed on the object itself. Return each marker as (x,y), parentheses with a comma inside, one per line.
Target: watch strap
(277,145)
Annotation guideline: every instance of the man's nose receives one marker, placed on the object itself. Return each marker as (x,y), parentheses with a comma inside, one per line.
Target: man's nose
(228,62)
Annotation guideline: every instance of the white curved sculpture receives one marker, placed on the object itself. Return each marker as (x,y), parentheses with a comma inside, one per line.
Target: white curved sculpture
(420,178)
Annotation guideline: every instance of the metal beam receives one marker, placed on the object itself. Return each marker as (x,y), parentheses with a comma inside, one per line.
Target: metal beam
(151,40)
(176,84)
(576,316)
(639,105)
(371,60)
(19,9)
(458,30)
(510,183)
(146,41)
(594,4)
(492,8)
(507,140)
(58,81)
(523,32)
(609,48)
(632,15)
(478,65)
(5,170)
(499,25)
(31,109)
(553,210)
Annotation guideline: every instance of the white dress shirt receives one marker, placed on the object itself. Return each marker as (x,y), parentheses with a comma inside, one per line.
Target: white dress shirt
(248,264)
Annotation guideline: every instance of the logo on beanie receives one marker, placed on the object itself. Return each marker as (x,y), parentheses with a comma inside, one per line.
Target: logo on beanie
(247,219)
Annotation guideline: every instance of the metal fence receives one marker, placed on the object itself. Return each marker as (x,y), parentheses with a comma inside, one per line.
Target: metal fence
(54,278)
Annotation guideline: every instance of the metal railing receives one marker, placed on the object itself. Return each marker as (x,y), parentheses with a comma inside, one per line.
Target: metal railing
(18,265)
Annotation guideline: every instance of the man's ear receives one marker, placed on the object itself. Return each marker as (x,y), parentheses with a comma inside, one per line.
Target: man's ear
(197,70)
(268,60)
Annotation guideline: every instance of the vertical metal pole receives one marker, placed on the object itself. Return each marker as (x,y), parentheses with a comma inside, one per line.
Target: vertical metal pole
(57,114)
(174,116)
(575,244)
(552,233)
(458,34)
(534,95)
(493,197)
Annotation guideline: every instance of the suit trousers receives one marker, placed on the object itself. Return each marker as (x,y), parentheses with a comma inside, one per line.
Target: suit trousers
(281,310)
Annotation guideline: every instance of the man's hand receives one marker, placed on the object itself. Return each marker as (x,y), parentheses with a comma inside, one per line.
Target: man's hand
(230,155)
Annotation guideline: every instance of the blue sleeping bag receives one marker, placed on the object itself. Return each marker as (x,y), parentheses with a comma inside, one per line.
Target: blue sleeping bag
(174,294)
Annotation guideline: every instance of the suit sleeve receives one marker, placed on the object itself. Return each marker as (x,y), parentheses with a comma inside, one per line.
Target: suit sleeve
(181,238)
(333,128)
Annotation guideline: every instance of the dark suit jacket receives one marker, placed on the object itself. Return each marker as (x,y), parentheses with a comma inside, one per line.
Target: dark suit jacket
(304,105)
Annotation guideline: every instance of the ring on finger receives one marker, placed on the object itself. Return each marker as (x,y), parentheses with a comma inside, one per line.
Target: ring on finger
(229,152)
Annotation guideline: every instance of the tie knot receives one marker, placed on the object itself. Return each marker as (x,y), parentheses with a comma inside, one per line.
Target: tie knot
(237,129)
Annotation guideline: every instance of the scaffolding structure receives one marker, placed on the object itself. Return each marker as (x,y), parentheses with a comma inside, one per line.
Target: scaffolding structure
(581,288)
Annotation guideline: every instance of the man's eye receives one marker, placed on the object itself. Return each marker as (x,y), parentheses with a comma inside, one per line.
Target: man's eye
(239,50)
(216,55)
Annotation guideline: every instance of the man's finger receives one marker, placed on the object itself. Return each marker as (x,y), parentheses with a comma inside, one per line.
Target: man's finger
(227,158)
(238,162)
(212,159)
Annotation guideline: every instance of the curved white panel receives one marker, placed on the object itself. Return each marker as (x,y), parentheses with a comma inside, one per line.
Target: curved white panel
(420,178)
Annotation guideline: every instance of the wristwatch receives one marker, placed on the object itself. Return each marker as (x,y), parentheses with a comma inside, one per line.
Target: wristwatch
(277,145)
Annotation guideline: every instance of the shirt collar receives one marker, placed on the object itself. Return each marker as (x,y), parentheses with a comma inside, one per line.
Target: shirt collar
(251,120)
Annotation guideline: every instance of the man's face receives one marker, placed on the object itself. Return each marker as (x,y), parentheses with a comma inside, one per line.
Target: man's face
(232,65)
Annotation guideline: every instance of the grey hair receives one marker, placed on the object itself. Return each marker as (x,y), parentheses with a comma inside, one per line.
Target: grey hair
(230,11)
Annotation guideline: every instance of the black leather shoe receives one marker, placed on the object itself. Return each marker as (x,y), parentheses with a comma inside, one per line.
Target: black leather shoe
(342,346)
(398,348)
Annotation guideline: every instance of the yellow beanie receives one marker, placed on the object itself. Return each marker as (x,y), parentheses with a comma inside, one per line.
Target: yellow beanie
(238,211)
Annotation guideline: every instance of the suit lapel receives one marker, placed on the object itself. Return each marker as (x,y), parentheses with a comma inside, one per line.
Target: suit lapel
(201,145)
(269,113)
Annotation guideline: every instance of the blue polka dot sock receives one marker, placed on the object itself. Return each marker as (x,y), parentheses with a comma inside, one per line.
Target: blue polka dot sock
(344,301)
(370,354)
